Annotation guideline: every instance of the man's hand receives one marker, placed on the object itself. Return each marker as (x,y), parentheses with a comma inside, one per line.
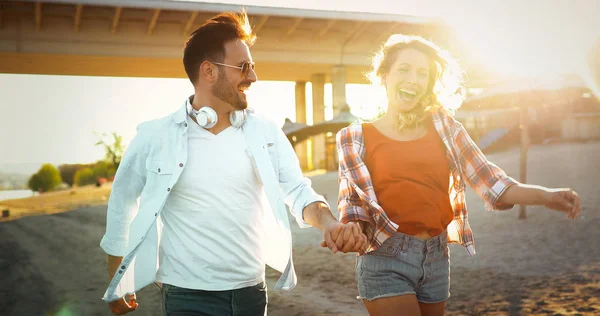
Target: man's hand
(124,305)
(564,200)
(344,237)
(337,236)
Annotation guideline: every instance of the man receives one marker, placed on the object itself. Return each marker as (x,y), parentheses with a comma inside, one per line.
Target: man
(197,204)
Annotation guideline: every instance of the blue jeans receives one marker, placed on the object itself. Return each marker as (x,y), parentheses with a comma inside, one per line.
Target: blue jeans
(406,265)
(248,301)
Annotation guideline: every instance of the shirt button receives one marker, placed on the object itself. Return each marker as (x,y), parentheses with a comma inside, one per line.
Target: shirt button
(120,271)
(168,189)
(155,214)
(185,124)
(181,165)
(158,169)
(122,267)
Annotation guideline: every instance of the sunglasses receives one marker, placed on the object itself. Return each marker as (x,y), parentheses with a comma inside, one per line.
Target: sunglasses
(245,67)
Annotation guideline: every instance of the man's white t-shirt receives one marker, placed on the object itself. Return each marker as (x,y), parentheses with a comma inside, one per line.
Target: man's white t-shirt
(213,227)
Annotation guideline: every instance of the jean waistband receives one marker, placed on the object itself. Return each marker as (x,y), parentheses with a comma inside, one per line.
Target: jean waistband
(432,243)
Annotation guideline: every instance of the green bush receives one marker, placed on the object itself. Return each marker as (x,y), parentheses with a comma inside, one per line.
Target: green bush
(46,179)
(67,172)
(103,169)
(35,182)
(85,176)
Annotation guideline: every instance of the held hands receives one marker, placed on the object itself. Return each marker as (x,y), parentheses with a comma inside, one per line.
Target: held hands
(344,237)
(124,305)
(564,200)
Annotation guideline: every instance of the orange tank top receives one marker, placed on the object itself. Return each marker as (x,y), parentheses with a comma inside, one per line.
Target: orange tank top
(411,180)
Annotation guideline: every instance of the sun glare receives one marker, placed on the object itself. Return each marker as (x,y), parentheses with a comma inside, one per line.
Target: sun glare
(527,45)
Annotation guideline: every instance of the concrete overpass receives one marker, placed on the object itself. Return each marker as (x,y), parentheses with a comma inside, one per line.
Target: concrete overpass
(144,38)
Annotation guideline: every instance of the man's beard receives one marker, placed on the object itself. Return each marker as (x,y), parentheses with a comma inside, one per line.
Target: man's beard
(228,94)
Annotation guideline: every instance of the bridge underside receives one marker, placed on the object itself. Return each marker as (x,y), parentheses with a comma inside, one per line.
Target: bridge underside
(120,66)
(112,38)
(145,39)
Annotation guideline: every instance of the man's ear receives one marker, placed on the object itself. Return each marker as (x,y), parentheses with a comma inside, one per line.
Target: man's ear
(208,71)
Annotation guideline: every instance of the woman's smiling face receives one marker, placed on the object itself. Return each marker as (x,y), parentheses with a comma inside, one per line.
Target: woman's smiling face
(406,81)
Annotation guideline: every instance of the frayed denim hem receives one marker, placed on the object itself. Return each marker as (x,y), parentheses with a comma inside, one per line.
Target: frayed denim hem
(433,302)
(386,295)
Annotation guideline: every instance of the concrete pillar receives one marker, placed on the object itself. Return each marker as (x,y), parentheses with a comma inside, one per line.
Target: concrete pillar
(318,142)
(525,142)
(338,85)
(301,148)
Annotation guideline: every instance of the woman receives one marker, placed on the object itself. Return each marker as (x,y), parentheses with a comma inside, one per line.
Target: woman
(403,178)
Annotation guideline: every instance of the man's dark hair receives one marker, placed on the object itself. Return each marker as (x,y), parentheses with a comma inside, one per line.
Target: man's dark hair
(208,41)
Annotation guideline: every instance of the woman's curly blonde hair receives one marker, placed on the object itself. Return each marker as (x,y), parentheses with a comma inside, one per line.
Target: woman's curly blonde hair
(444,90)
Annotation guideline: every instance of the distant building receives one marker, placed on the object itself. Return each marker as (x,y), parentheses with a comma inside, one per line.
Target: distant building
(552,108)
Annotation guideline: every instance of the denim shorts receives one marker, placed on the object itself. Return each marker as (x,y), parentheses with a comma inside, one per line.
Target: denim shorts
(404,265)
(248,301)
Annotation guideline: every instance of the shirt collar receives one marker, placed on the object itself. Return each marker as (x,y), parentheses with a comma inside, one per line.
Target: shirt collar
(182,113)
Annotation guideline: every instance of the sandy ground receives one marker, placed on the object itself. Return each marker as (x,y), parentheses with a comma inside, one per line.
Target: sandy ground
(56,202)
(544,265)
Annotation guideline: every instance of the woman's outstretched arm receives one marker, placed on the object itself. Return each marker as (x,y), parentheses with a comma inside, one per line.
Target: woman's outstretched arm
(564,199)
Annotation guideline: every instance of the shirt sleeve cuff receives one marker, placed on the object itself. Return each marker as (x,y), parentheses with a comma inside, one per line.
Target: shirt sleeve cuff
(495,192)
(113,247)
(300,217)
(354,213)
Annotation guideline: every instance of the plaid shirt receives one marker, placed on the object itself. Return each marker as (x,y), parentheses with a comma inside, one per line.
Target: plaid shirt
(357,200)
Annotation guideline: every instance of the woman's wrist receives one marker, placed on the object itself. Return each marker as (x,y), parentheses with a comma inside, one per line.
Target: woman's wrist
(361,224)
(545,196)
(527,194)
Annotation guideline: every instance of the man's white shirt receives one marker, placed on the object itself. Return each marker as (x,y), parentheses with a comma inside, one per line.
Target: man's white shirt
(213,218)
(151,169)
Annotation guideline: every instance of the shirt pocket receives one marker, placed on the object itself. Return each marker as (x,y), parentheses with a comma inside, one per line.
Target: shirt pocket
(158,175)
(158,167)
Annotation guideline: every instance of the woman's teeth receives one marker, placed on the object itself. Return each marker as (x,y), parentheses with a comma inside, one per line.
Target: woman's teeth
(407,95)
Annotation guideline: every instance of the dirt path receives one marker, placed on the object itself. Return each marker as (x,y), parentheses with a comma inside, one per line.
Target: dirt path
(54,264)
(545,265)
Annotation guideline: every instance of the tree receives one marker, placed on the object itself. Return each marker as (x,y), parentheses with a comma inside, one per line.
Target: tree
(84,176)
(103,169)
(35,182)
(67,172)
(46,179)
(113,151)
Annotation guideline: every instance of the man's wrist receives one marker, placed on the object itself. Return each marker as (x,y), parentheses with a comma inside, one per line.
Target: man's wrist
(113,264)
(318,214)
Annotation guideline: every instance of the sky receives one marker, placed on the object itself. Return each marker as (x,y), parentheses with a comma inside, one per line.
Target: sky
(53,118)
(514,37)
(56,122)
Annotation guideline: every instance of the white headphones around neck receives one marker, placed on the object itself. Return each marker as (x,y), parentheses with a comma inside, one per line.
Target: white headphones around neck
(206,117)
